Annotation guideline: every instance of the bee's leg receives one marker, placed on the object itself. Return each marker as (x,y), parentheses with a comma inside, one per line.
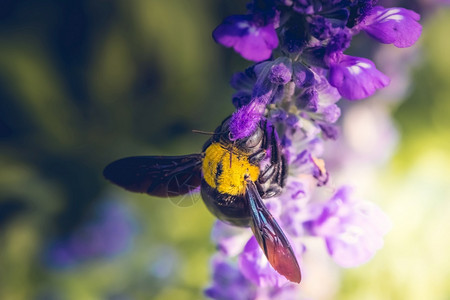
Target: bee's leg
(269,146)
(272,179)
(257,157)
(270,191)
(273,191)
(267,174)
(278,159)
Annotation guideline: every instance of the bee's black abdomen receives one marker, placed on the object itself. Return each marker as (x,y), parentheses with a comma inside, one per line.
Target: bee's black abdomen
(231,209)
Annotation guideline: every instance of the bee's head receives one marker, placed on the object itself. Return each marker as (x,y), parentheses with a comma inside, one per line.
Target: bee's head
(250,143)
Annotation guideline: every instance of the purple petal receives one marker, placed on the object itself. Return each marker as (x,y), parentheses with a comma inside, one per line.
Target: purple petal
(395,25)
(247,37)
(353,230)
(281,73)
(309,100)
(241,99)
(244,80)
(228,282)
(230,240)
(245,120)
(327,93)
(355,77)
(339,41)
(331,113)
(329,132)
(303,76)
(360,237)
(255,266)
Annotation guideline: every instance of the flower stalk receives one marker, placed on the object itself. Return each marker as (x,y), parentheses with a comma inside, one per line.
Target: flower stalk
(300,74)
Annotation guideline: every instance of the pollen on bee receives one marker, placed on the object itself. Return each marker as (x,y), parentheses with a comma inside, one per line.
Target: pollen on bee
(233,170)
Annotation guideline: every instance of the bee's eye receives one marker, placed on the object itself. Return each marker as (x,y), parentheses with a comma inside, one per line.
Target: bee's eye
(255,139)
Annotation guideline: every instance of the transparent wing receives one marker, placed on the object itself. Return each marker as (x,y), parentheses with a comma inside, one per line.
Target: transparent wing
(162,176)
(270,237)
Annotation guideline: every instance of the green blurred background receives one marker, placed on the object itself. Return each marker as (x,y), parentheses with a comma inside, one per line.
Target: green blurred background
(85,82)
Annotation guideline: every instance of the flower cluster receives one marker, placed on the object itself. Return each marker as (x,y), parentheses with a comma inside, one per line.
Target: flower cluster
(299,75)
(109,232)
(311,37)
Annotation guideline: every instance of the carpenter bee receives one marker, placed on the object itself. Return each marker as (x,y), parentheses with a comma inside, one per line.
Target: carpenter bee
(233,176)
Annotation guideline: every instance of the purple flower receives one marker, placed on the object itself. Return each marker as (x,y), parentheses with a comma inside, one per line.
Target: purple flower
(303,6)
(298,92)
(327,96)
(281,72)
(110,232)
(353,230)
(251,37)
(395,25)
(255,266)
(331,113)
(309,100)
(230,240)
(355,77)
(302,75)
(339,41)
(297,208)
(307,164)
(228,282)
(329,131)
(270,75)
(321,28)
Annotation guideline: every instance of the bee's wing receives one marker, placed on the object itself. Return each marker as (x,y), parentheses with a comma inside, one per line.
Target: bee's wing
(161,176)
(270,237)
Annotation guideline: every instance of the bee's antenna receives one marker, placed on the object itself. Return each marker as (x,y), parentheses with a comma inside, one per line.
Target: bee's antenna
(207,132)
(203,132)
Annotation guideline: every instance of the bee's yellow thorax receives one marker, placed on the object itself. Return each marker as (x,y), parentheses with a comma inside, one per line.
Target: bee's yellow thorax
(227,178)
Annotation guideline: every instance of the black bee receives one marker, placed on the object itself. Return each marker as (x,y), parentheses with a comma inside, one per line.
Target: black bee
(232,183)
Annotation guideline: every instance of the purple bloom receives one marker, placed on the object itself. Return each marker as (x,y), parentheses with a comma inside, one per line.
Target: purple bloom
(302,75)
(353,230)
(355,77)
(253,39)
(298,92)
(281,72)
(230,240)
(331,113)
(228,282)
(339,41)
(244,81)
(327,96)
(321,28)
(241,99)
(329,131)
(109,233)
(255,266)
(303,6)
(305,163)
(270,75)
(297,209)
(395,25)
(309,100)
